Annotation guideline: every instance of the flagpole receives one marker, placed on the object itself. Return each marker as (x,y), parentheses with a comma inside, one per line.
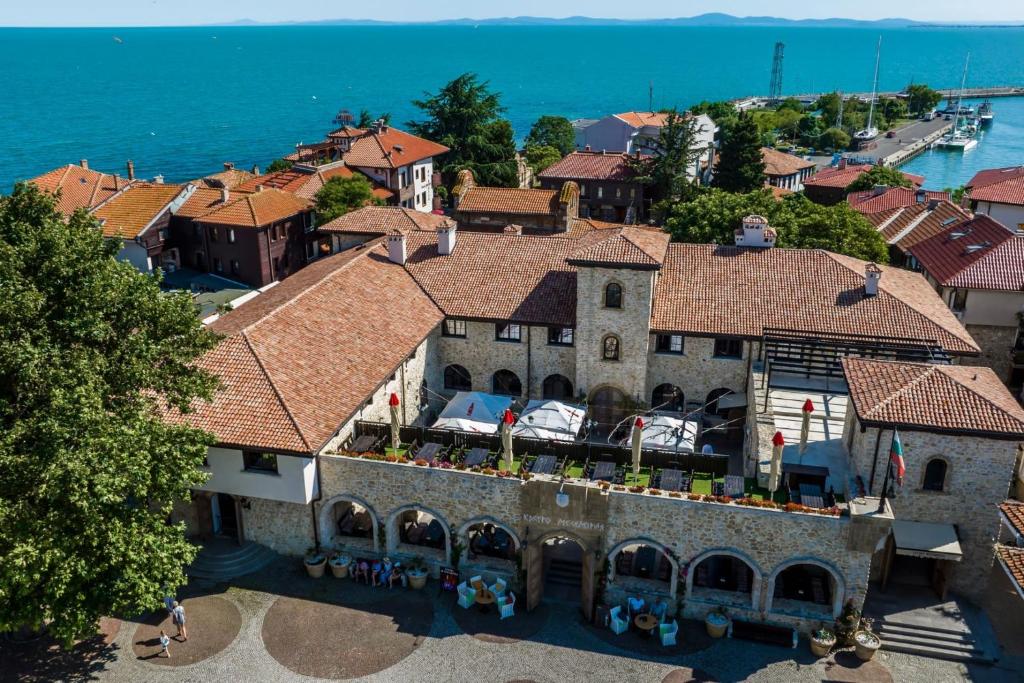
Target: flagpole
(888,472)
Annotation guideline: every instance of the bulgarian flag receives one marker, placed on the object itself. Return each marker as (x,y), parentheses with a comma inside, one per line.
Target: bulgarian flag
(896,456)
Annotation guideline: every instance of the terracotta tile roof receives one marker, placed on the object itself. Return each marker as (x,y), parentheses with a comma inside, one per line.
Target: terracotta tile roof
(1013,510)
(509,200)
(306,183)
(380,220)
(906,227)
(347,132)
(79,188)
(391,148)
(257,209)
(778,163)
(991,176)
(639,119)
(842,177)
(872,201)
(590,166)
(204,200)
(1009,191)
(979,253)
(128,213)
(300,360)
(730,291)
(229,178)
(1013,560)
(584,226)
(628,247)
(960,398)
(489,276)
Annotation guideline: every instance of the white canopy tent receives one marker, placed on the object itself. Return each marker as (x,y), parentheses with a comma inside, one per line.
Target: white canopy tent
(473,411)
(549,419)
(670,433)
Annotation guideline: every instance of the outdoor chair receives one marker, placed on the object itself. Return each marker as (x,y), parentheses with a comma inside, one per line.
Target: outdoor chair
(477,582)
(499,587)
(467,596)
(668,633)
(508,606)
(616,623)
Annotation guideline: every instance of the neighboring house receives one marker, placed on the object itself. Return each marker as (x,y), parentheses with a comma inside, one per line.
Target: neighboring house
(998,192)
(306,180)
(140,216)
(1010,553)
(906,216)
(534,210)
(977,267)
(80,187)
(608,186)
(828,186)
(229,178)
(785,171)
(373,222)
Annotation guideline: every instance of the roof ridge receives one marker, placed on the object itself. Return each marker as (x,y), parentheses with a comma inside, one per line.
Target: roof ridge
(928,371)
(983,397)
(273,387)
(252,209)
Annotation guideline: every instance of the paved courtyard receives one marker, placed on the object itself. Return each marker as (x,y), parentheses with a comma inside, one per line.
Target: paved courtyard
(279,625)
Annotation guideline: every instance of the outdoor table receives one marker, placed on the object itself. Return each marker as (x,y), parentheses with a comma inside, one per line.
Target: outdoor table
(603,470)
(364,443)
(476,457)
(429,451)
(485,599)
(646,623)
(671,480)
(544,464)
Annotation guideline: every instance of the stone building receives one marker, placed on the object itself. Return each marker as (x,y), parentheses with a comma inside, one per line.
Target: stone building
(609,189)
(534,210)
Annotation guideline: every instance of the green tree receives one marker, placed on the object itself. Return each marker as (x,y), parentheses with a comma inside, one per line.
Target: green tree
(539,157)
(464,116)
(922,99)
(716,214)
(340,195)
(90,351)
(667,171)
(279,165)
(740,163)
(834,138)
(956,194)
(366,119)
(879,175)
(553,131)
(722,113)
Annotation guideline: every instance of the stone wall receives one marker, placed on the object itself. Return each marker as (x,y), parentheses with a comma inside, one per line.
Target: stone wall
(285,527)
(697,372)
(996,344)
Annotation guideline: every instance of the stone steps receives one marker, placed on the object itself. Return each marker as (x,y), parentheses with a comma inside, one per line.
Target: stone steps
(564,572)
(934,642)
(222,563)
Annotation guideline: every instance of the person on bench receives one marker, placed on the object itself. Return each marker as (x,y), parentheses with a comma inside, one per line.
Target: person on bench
(375,570)
(397,576)
(362,571)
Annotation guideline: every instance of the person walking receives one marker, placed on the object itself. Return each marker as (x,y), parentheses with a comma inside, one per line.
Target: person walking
(169,604)
(178,617)
(165,646)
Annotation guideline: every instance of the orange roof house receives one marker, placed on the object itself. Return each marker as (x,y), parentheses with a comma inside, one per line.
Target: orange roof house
(79,187)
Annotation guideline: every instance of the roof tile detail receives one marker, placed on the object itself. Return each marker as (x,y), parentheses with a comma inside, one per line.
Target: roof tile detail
(842,177)
(870,201)
(628,247)
(257,209)
(590,166)
(509,200)
(1013,510)
(979,253)
(1013,560)
(80,188)
(128,213)
(781,164)
(381,220)
(390,148)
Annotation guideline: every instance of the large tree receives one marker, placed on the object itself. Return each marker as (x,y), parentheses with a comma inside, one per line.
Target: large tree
(922,99)
(464,116)
(716,214)
(279,165)
(90,352)
(340,195)
(540,157)
(670,161)
(552,131)
(740,163)
(879,175)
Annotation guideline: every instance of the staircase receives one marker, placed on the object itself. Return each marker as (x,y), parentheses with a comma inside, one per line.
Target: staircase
(220,560)
(930,641)
(564,572)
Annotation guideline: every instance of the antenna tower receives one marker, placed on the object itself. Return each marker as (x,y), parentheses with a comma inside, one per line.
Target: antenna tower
(775,87)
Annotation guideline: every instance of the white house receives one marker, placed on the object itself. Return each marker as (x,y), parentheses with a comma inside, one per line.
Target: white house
(999,193)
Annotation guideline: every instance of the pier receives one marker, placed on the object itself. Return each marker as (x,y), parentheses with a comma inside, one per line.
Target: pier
(910,140)
(760,101)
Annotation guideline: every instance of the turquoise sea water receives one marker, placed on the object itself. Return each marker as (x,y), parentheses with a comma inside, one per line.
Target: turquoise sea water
(180,101)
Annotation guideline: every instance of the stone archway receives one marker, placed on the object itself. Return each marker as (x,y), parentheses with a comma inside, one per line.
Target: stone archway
(393,535)
(326,519)
(535,579)
(838,587)
(641,541)
(463,532)
(758,574)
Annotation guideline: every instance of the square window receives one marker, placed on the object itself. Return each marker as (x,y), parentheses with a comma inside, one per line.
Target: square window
(669,343)
(259,462)
(162,234)
(213,233)
(509,332)
(560,336)
(728,348)
(454,328)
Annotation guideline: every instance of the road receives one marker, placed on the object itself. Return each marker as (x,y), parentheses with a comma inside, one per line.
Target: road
(883,147)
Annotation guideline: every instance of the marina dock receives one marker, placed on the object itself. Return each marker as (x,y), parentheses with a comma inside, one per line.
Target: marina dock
(758,101)
(910,141)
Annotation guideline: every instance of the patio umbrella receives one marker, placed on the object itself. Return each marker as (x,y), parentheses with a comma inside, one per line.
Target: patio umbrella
(776,470)
(506,437)
(393,403)
(805,428)
(638,429)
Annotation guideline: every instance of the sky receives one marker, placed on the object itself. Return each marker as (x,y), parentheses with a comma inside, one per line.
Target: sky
(185,12)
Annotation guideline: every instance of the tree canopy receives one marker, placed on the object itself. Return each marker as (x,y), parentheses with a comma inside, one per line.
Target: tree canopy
(552,131)
(340,195)
(279,165)
(922,99)
(672,158)
(464,116)
(540,157)
(740,162)
(366,119)
(879,175)
(715,214)
(90,349)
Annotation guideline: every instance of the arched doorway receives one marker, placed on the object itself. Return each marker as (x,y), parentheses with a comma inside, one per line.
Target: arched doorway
(506,383)
(349,521)
(557,387)
(608,406)
(805,586)
(563,569)
(457,378)
(416,530)
(225,517)
(724,577)
(711,402)
(490,546)
(668,397)
(642,566)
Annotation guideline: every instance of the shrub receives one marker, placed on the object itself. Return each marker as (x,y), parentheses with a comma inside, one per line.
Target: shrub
(654,492)
(636,489)
(674,494)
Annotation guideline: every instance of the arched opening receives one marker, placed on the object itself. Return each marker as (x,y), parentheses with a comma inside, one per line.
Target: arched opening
(457,378)
(610,347)
(348,522)
(613,295)
(641,567)
(935,475)
(416,530)
(557,387)
(490,546)
(506,383)
(608,406)
(805,587)
(668,397)
(711,406)
(724,577)
(562,569)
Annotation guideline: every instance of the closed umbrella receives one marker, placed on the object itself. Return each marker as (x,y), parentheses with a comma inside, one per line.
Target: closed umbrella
(805,428)
(776,470)
(638,428)
(507,421)
(393,403)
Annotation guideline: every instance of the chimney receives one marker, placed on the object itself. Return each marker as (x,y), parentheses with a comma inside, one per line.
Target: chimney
(446,239)
(255,170)
(586,148)
(933,204)
(872,275)
(879,190)
(228,165)
(842,163)
(919,196)
(225,195)
(259,188)
(396,247)
(131,170)
(84,163)
(755,233)
(158,179)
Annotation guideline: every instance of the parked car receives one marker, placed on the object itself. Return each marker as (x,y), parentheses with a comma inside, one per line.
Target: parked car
(891,134)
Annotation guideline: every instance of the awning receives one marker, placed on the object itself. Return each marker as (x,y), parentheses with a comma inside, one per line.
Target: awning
(472,411)
(735,400)
(922,539)
(550,419)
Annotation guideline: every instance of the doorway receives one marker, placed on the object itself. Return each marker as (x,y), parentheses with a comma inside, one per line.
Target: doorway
(224,510)
(563,569)
(608,407)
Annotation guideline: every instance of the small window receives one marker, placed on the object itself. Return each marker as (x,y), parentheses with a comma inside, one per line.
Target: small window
(217,265)
(958,299)
(600,192)
(162,234)
(507,332)
(213,233)
(618,193)
(236,267)
(669,343)
(728,348)
(613,296)
(259,462)
(231,235)
(934,475)
(454,328)
(610,348)
(632,193)
(560,336)
(583,190)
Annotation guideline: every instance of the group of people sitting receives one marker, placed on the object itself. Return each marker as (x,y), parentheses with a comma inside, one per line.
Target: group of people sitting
(637,605)
(380,572)
(491,542)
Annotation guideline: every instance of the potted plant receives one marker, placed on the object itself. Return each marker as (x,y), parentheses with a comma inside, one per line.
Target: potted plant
(417,573)
(315,563)
(340,563)
(866,644)
(822,642)
(716,622)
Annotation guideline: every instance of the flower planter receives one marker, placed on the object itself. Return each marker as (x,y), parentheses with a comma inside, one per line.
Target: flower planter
(315,566)
(339,566)
(821,648)
(417,578)
(716,624)
(866,644)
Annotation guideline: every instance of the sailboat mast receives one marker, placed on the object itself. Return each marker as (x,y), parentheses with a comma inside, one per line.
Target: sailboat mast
(874,86)
(960,95)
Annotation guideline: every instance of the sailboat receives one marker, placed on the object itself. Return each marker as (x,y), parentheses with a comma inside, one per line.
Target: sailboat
(958,138)
(871,132)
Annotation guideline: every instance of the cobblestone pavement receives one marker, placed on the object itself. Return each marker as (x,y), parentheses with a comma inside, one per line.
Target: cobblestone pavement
(563,649)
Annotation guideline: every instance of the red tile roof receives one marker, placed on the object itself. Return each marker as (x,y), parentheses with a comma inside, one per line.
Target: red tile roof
(204,200)
(907,226)
(509,200)
(639,119)
(842,177)
(306,183)
(584,226)
(958,398)
(1009,191)
(127,214)
(390,148)
(590,166)
(781,164)
(257,209)
(229,178)
(1013,560)
(79,188)
(629,248)
(979,253)
(380,220)
(1013,510)
(872,201)
(991,176)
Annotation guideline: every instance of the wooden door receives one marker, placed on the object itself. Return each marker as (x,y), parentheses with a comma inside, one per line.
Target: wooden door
(940,578)
(587,586)
(534,575)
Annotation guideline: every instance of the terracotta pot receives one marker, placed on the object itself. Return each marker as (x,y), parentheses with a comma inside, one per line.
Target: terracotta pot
(866,644)
(315,570)
(417,580)
(821,648)
(340,571)
(716,624)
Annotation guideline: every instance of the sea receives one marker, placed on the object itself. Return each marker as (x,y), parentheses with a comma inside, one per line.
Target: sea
(182,101)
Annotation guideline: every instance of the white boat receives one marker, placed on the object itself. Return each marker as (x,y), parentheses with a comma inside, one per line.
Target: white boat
(960,137)
(871,132)
(958,141)
(985,113)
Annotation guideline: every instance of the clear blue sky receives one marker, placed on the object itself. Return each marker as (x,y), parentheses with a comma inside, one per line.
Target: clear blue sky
(181,12)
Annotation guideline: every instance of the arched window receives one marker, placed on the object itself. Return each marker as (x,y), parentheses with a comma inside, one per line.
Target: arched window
(610,347)
(490,540)
(506,383)
(934,475)
(711,402)
(613,295)
(667,397)
(557,387)
(457,378)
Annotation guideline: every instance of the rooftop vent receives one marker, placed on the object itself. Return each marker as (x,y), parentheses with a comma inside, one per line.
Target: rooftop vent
(872,276)
(396,247)
(956,234)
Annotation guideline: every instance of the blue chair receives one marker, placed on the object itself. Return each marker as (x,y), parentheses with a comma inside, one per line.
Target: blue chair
(668,633)
(467,596)
(617,624)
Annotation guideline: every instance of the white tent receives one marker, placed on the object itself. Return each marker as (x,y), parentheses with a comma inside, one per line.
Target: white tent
(550,420)
(473,411)
(669,433)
